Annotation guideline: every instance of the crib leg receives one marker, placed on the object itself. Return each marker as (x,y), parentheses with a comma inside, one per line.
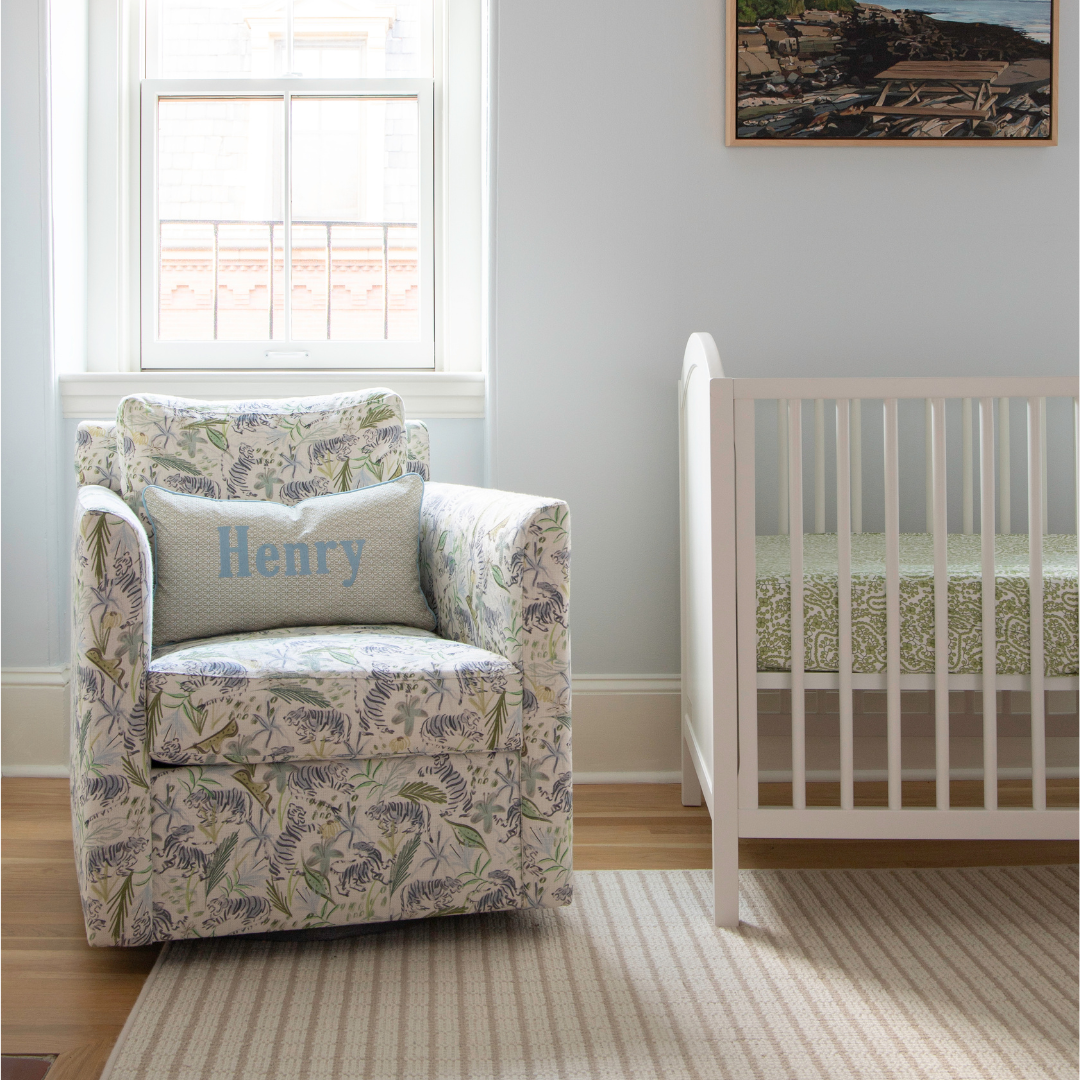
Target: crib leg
(691,786)
(725,844)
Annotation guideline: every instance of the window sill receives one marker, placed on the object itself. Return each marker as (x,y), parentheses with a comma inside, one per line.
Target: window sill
(428,395)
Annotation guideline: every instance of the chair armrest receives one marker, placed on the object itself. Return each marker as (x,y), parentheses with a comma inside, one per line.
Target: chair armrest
(495,567)
(112,596)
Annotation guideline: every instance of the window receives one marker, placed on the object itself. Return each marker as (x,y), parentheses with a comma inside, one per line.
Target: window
(287,165)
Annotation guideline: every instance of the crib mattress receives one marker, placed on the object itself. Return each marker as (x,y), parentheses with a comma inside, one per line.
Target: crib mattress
(917,603)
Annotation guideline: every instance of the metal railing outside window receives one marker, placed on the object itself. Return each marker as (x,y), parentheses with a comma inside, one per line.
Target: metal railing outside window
(329,226)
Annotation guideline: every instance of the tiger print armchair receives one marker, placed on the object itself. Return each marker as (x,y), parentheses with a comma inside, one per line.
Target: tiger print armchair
(320,775)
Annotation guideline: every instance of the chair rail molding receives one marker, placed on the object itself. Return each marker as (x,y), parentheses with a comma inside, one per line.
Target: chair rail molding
(34,676)
(428,395)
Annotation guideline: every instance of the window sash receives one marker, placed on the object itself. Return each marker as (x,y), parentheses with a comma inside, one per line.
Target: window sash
(292,353)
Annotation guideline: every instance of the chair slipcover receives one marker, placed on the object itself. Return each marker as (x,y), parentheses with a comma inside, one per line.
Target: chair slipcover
(375,772)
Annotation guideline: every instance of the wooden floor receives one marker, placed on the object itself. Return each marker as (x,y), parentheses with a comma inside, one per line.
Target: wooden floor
(63,997)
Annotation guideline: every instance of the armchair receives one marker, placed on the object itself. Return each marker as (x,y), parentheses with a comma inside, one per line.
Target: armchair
(317,775)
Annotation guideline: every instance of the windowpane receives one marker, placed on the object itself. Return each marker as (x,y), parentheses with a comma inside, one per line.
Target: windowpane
(219,195)
(355,199)
(210,40)
(404,285)
(332,39)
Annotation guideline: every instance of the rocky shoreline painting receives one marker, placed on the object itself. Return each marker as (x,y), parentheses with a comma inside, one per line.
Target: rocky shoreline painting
(838,71)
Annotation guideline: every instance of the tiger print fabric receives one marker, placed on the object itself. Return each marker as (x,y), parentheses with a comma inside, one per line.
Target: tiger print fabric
(96,461)
(319,692)
(246,844)
(243,849)
(282,451)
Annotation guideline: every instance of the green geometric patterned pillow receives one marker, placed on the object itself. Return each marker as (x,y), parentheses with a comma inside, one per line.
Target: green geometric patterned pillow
(281,450)
(224,566)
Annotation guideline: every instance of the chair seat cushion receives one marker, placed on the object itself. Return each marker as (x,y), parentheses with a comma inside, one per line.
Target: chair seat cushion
(317,692)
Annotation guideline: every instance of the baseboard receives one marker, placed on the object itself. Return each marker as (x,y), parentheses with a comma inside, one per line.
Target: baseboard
(52,772)
(621,732)
(626,731)
(35,710)
(673,777)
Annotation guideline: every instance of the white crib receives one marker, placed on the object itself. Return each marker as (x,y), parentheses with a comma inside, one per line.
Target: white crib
(719,501)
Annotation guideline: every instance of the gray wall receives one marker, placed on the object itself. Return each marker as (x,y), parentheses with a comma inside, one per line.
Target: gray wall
(30,422)
(624,223)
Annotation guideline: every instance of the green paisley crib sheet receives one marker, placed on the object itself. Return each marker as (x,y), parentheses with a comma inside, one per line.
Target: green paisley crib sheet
(916,603)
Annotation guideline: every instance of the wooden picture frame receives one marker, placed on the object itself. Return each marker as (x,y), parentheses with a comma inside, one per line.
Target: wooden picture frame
(870,74)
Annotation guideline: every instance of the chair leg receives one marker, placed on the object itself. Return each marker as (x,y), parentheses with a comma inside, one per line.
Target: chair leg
(691,786)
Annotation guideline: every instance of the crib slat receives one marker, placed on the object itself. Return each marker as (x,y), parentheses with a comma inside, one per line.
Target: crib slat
(746,602)
(819,465)
(856,465)
(798,641)
(989,602)
(940,520)
(892,597)
(1036,442)
(1004,468)
(928,458)
(843,552)
(969,476)
(1045,501)
(782,466)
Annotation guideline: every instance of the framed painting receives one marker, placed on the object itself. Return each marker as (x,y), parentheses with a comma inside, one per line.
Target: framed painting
(838,72)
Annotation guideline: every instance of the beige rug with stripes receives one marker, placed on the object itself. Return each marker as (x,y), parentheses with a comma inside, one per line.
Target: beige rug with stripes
(833,974)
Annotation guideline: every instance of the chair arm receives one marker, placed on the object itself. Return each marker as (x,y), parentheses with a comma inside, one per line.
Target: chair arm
(112,595)
(495,567)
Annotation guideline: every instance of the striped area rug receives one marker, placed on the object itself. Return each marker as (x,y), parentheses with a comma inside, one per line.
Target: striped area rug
(833,974)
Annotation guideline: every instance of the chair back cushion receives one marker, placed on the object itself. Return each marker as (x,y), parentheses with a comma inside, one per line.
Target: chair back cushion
(96,461)
(272,451)
(225,566)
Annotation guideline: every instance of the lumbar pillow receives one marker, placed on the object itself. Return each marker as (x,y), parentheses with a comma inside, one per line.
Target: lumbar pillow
(226,566)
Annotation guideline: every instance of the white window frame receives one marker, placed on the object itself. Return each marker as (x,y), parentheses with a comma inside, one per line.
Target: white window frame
(289,352)
(455,388)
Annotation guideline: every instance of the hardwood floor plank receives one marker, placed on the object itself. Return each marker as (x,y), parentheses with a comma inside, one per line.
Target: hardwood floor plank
(65,1037)
(85,1062)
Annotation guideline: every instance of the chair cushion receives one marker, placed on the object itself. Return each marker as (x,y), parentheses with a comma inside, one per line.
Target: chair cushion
(282,451)
(224,566)
(317,692)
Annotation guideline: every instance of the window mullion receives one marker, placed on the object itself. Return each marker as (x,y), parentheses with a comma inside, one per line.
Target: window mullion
(289,70)
(286,206)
